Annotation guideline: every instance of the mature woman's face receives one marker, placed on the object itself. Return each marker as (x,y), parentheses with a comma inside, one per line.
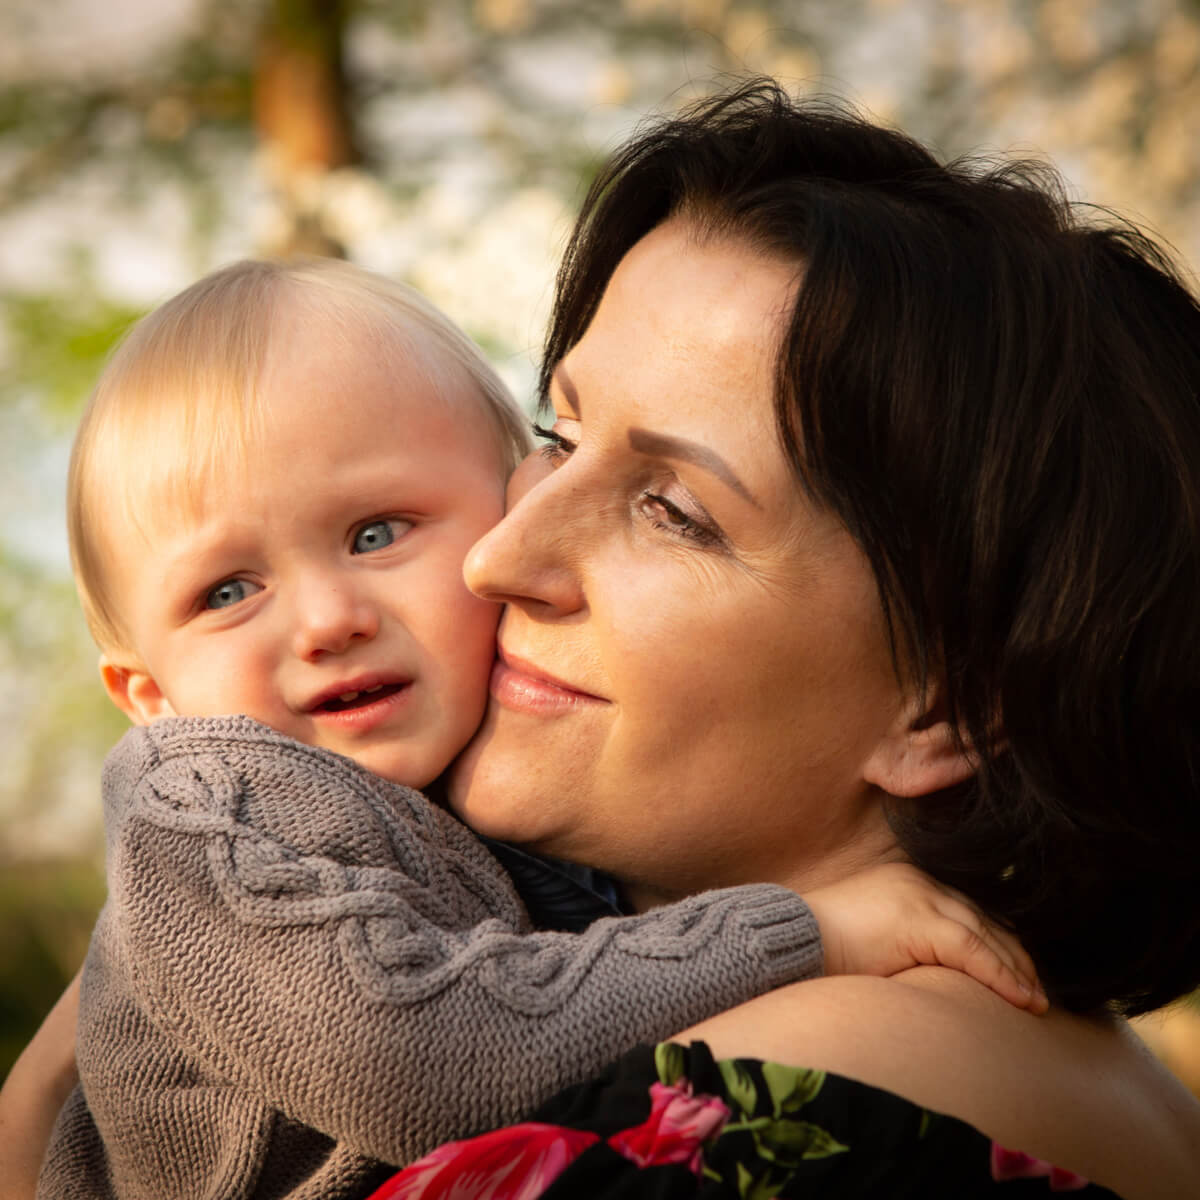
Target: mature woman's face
(694,677)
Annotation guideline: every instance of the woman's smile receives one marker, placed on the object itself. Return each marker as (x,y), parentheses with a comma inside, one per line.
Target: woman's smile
(520,686)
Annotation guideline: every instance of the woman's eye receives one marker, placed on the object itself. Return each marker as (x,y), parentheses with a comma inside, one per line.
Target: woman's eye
(377,535)
(674,520)
(229,593)
(556,446)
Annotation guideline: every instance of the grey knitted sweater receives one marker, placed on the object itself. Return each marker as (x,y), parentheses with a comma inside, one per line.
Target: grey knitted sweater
(304,971)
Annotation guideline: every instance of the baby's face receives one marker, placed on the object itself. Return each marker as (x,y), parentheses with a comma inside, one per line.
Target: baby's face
(320,589)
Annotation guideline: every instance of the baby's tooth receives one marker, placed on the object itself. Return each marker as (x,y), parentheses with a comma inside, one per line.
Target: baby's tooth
(346,697)
(374,689)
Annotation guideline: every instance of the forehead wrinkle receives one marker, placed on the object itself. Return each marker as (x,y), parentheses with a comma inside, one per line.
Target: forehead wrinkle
(175,511)
(192,457)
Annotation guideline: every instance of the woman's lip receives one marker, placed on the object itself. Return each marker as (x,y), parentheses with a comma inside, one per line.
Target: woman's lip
(522,686)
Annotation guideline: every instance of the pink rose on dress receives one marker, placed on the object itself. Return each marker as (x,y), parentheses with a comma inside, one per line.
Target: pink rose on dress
(678,1124)
(1012,1164)
(515,1163)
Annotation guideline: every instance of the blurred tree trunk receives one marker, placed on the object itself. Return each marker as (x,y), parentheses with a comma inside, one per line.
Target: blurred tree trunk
(304,118)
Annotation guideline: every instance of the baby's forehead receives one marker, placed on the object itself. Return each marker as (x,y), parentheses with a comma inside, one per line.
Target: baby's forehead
(194,417)
(363,427)
(286,480)
(362,353)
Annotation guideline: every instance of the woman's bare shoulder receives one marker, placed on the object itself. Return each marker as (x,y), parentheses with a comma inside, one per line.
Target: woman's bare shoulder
(1079,1090)
(1082,1093)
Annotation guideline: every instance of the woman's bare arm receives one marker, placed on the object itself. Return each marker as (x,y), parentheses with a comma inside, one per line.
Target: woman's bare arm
(1083,1094)
(36,1087)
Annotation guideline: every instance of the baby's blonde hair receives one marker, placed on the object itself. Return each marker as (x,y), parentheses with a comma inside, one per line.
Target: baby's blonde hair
(179,400)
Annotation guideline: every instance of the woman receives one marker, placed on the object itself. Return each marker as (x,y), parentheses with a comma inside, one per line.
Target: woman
(867,525)
(866,528)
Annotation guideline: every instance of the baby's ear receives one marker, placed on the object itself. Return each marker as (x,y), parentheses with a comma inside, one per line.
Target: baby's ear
(134,692)
(919,754)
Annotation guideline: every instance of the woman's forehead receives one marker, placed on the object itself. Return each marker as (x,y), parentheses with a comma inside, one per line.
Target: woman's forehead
(717,278)
(688,330)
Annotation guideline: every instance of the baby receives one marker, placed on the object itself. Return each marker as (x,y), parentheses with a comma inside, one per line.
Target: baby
(306,969)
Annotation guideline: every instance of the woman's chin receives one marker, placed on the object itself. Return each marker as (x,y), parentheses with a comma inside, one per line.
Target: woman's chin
(483,794)
(460,775)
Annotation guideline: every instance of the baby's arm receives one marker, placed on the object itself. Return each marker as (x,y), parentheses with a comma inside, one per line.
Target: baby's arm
(348,955)
(343,953)
(352,957)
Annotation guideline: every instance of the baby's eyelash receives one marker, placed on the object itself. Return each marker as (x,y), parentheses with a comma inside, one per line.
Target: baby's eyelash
(557,447)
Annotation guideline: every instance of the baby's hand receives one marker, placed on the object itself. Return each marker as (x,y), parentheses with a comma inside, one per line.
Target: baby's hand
(892,917)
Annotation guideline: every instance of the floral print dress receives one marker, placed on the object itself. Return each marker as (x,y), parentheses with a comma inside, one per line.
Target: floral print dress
(671,1123)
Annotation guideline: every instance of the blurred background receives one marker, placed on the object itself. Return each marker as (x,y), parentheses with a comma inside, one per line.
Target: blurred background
(447,142)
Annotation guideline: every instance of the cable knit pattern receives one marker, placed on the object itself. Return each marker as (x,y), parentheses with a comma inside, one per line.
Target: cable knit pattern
(304,971)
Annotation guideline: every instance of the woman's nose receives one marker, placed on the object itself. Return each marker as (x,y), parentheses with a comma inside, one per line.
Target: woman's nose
(330,617)
(530,558)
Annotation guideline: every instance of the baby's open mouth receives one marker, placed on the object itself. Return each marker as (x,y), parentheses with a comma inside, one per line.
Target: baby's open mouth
(349,700)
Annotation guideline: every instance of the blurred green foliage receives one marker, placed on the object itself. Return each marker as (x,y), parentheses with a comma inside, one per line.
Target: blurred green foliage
(57,343)
(46,915)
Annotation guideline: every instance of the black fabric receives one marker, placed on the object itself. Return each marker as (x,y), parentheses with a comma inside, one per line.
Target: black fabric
(894,1149)
(558,895)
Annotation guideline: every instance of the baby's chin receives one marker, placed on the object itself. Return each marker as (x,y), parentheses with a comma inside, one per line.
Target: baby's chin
(399,767)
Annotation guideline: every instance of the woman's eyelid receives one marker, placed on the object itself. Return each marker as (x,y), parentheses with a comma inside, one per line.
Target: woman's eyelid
(664,489)
(566,427)
(555,445)
(702,527)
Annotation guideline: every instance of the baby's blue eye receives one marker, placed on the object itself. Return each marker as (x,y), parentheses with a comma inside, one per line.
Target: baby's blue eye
(375,536)
(229,593)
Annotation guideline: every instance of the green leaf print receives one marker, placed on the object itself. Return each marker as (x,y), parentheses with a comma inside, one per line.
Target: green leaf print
(788,1143)
(756,1187)
(739,1083)
(791,1088)
(669,1061)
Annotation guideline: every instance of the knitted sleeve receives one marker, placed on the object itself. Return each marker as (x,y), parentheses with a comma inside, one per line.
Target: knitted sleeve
(350,954)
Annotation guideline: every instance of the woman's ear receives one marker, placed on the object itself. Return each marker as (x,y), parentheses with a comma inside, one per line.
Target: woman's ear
(920,754)
(134,692)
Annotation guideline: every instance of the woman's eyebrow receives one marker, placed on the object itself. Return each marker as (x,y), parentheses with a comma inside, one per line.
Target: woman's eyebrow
(666,445)
(669,446)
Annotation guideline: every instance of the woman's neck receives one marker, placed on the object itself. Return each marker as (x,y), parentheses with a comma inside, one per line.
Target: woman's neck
(806,874)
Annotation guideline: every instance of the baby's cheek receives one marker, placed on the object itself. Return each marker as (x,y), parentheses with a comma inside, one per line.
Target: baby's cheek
(464,647)
(477,623)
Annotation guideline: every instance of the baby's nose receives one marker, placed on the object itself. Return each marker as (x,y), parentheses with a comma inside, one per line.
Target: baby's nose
(330,617)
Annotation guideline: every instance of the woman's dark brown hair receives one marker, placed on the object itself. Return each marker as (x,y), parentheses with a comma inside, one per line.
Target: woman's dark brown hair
(999,394)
